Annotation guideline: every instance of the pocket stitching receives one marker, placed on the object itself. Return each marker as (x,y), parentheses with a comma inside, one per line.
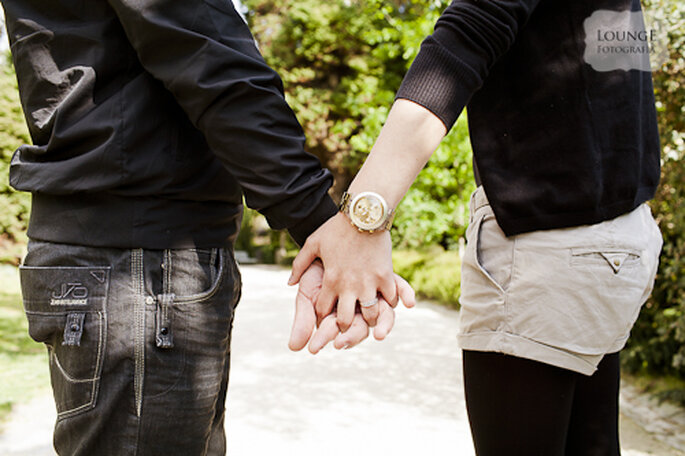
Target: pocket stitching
(588,256)
(98,372)
(214,288)
(579,251)
(101,341)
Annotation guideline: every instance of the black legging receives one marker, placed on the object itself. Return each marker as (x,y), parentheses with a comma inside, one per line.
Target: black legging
(522,407)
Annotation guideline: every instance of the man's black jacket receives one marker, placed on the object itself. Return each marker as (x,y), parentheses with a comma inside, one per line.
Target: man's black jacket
(149,119)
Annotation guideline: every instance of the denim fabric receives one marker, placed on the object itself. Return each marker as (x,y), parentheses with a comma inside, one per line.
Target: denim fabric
(139,345)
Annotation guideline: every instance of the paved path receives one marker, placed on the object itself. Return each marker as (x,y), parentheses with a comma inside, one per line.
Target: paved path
(402,396)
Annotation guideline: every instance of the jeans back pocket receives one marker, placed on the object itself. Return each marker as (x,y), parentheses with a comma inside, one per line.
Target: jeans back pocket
(66,310)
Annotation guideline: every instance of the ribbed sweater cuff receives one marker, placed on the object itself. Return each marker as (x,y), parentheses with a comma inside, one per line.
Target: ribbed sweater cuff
(325,210)
(440,82)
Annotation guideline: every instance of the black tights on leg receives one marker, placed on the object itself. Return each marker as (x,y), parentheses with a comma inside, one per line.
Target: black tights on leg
(593,430)
(521,407)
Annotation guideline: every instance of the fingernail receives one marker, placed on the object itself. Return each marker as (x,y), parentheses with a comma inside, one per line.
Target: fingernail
(290,280)
(347,347)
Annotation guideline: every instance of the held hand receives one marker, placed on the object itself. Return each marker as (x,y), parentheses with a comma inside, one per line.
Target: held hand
(305,316)
(358,265)
(357,268)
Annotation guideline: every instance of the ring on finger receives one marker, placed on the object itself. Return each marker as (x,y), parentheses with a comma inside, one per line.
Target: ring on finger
(369,303)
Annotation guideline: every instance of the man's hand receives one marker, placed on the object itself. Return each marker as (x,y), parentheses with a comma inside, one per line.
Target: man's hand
(305,316)
(357,268)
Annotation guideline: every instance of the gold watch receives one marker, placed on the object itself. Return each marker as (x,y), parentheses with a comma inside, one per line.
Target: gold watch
(367,211)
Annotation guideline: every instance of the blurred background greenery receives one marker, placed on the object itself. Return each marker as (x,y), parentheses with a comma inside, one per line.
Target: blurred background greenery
(341,62)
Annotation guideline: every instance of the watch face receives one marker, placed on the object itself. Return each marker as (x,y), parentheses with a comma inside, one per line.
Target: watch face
(368,211)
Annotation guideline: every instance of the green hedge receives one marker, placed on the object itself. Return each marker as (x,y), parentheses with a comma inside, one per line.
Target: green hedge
(434,273)
(657,343)
(14,206)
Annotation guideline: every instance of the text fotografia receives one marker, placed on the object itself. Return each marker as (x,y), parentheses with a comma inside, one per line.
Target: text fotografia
(626,41)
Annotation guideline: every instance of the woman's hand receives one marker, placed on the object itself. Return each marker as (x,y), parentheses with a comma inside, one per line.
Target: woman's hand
(305,315)
(357,268)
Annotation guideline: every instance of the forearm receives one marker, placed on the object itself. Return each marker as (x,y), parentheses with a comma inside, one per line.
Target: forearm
(204,54)
(407,140)
(469,38)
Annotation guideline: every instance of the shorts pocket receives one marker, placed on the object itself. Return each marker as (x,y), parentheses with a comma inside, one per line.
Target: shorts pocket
(485,274)
(581,299)
(490,252)
(604,258)
(494,252)
(66,310)
(613,280)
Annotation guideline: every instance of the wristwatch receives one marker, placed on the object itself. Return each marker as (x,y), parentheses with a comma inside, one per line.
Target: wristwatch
(367,211)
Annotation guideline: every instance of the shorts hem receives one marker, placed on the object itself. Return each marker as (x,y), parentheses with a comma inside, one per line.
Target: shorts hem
(515,345)
(618,344)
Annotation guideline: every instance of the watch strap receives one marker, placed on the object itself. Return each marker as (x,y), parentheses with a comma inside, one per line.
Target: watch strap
(344,205)
(388,222)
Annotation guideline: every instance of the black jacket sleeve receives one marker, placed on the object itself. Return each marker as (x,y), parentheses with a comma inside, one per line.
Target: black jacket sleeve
(204,54)
(469,37)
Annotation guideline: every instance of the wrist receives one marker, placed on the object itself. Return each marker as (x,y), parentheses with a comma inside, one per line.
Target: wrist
(317,217)
(367,211)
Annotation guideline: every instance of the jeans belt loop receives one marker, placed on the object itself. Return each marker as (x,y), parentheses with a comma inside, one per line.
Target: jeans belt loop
(164,337)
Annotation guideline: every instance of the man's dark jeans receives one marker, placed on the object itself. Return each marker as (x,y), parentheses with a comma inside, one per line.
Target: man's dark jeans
(139,345)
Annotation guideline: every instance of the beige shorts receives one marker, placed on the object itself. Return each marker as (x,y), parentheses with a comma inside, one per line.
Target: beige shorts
(565,297)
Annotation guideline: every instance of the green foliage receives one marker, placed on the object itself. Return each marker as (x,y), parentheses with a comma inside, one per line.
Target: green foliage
(13,327)
(433,273)
(14,206)
(657,344)
(263,244)
(246,234)
(23,361)
(342,62)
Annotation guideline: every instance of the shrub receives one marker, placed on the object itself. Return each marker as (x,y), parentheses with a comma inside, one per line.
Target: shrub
(657,344)
(14,206)
(342,62)
(433,273)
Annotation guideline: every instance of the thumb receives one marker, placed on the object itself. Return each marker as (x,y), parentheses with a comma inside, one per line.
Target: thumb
(301,262)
